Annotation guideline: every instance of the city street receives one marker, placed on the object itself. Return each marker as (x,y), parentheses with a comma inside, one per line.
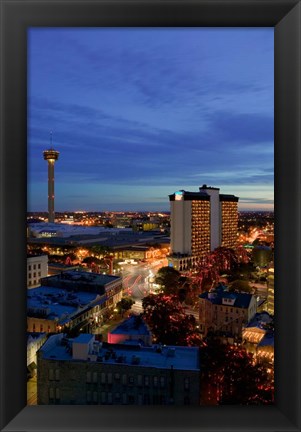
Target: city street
(138,280)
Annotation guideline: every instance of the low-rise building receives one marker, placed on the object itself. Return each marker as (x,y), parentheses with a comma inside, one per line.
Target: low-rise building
(226,312)
(72,299)
(37,268)
(133,329)
(57,268)
(265,348)
(258,336)
(52,310)
(108,285)
(83,371)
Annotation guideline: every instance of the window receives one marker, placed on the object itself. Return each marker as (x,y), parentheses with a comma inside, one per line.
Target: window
(155,381)
(124,398)
(146,399)
(131,399)
(110,398)
(88,377)
(146,380)
(39,266)
(33,327)
(95,397)
(124,379)
(95,377)
(103,378)
(39,274)
(117,377)
(186,383)
(162,381)
(29,267)
(186,400)
(131,379)
(29,275)
(110,380)
(51,374)
(51,393)
(103,397)
(57,374)
(34,267)
(88,396)
(41,328)
(117,397)
(57,393)
(139,380)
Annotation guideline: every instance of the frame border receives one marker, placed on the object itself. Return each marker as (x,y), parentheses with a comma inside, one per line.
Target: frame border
(16,17)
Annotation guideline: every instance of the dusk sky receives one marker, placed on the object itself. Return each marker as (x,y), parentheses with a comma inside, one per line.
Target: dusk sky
(139,113)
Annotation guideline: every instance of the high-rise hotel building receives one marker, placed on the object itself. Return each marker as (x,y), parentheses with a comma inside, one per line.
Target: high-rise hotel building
(201,222)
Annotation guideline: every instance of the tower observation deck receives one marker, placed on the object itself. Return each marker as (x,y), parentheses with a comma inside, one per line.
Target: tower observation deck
(51,156)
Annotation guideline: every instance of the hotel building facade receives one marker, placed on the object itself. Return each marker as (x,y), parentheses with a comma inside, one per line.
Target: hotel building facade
(201,222)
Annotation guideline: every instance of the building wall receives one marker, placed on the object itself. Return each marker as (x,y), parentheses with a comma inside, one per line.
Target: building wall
(270,285)
(33,344)
(181,227)
(37,268)
(215,233)
(35,324)
(224,318)
(229,224)
(200,228)
(85,383)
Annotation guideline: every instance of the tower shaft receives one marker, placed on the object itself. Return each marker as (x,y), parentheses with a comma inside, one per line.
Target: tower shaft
(51,156)
(51,214)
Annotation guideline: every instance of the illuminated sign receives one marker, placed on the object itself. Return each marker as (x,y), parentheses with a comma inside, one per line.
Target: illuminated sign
(179,195)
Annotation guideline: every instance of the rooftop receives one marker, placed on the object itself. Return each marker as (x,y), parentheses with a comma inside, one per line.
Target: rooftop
(58,304)
(82,277)
(220,294)
(132,325)
(260,320)
(267,340)
(162,357)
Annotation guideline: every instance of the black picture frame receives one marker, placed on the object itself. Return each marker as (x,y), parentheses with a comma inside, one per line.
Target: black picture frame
(16,17)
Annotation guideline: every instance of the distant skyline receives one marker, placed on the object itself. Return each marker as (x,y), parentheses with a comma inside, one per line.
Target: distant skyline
(138,113)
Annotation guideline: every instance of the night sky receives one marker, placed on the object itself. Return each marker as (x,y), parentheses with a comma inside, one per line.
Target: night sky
(137,114)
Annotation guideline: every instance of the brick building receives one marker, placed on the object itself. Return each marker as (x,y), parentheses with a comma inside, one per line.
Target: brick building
(83,371)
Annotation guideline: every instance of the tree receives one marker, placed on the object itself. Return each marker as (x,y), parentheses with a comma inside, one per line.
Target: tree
(169,279)
(168,321)
(99,250)
(240,285)
(124,305)
(230,375)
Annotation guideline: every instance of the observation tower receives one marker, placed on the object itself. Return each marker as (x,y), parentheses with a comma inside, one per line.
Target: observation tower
(51,156)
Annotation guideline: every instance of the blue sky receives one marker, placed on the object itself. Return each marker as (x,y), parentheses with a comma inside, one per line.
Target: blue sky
(138,113)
